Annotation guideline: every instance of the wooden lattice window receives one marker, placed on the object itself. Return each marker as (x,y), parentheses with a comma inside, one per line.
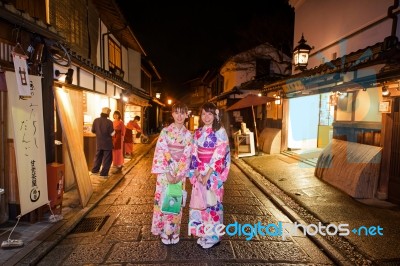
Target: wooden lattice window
(114,54)
(36,9)
(77,21)
(114,58)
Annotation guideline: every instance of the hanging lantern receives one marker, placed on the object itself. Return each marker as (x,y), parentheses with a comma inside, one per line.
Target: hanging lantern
(300,54)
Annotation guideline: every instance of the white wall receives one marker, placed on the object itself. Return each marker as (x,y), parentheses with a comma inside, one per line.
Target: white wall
(242,67)
(134,70)
(131,59)
(235,74)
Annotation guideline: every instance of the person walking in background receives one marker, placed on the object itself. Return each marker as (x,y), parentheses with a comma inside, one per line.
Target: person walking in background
(117,152)
(136,127)
(209,169)
(128,139)
(171,165)
(103,128)
(133,130)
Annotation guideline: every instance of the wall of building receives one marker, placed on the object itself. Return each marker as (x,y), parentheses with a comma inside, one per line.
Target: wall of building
(342,32)
(134,74)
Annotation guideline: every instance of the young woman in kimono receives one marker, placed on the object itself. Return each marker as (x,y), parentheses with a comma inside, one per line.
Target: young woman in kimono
(118,138)
(171,164)
(209,166)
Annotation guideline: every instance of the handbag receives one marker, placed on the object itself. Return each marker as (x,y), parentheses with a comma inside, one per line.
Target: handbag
(211,198)
(172,199)
(198,197)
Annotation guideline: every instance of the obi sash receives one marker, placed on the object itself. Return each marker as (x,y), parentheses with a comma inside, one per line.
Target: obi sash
(205,154)
(176,151)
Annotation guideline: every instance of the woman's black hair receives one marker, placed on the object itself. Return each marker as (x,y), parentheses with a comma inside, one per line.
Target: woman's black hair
(180,107)
(117,113)
(210,107)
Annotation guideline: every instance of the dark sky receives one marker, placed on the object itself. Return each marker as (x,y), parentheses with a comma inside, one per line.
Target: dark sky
(185,38)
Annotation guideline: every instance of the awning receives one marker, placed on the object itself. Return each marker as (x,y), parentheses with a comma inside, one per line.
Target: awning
(134,100)
(249,101)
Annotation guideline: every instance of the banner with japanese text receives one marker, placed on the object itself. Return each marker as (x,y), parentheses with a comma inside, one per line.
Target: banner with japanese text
(27,124)
(21,74)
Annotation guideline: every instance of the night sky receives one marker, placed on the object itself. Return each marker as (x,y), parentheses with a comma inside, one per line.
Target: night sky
(183,40)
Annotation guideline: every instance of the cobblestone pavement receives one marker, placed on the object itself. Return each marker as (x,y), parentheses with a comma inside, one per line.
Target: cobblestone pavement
(125,238)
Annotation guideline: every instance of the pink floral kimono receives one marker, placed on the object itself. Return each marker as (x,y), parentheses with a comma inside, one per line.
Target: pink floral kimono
(172,153)
(210,150)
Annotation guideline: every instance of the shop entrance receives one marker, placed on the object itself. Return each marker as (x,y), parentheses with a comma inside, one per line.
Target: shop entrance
(303,122)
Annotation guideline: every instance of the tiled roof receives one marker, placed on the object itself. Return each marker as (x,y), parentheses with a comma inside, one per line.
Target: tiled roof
(330,72)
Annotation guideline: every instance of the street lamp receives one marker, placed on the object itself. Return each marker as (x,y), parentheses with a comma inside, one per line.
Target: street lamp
(158,95)
(169,101)
(69,75)
(300,54)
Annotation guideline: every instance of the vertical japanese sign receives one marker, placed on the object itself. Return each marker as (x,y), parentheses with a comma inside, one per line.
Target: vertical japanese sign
(21,73)
(27,124)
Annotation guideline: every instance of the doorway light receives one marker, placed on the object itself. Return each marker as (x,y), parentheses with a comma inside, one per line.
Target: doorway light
(385,91)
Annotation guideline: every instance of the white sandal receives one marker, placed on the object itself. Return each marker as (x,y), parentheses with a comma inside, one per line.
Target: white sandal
(165,239)
(174,239)
(200,241)
(207,243)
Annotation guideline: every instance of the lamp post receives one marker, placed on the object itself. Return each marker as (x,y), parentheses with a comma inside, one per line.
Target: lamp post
(300,54)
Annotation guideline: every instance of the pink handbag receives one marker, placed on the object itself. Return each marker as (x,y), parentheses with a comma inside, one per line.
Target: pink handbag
(198,197)
(211,198)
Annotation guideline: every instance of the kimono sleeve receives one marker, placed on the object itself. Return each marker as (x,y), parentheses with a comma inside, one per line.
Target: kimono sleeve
(160,163)
(220,160)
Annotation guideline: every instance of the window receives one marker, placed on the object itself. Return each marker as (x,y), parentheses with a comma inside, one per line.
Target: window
(36,9)
(77,21)
(114,55)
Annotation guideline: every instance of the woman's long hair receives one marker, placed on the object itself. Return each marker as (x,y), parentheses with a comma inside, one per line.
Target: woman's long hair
(210,107)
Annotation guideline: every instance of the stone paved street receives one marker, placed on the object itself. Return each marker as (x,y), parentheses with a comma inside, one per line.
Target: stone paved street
(125,237)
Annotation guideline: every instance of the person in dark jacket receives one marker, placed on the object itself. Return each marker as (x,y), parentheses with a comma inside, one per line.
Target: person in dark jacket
(104,130)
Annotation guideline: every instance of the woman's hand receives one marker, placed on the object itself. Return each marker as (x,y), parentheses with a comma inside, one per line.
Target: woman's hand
(204,179)
(172,179)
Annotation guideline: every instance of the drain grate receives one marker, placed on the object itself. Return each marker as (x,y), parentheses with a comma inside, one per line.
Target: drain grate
(91,224)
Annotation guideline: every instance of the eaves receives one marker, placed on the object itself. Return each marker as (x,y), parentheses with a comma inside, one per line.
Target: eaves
(111,15)
(330,75)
